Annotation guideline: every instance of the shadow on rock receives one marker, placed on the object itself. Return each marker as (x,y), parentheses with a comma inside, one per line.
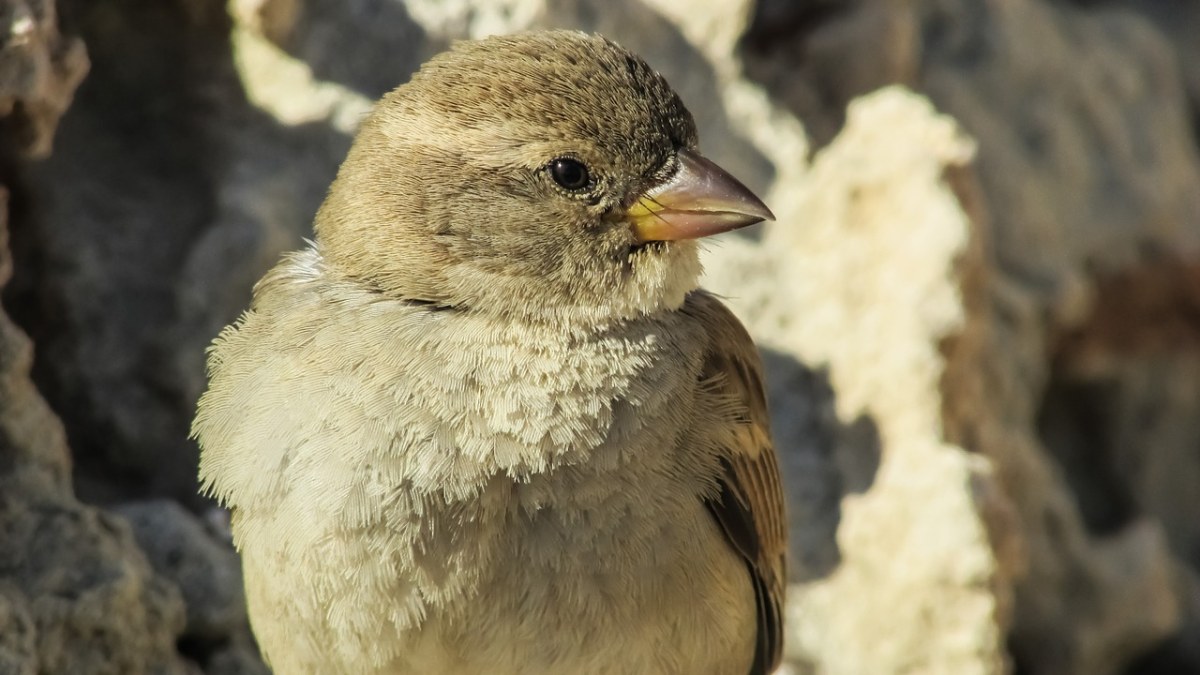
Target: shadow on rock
(822,460)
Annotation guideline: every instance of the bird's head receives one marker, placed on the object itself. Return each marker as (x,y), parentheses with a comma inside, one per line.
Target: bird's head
(550,176)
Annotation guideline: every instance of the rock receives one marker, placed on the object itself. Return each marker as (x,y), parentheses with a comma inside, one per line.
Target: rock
(1085,364)
(76,594)
(81,571)
(39,71)
(1180,22)
(926,532)
(206,571)
(240,659)
(108,225)
(18,635)
(816,57)
(1078,192)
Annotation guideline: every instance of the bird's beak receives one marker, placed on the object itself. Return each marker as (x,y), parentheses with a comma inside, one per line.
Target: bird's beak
(700,200)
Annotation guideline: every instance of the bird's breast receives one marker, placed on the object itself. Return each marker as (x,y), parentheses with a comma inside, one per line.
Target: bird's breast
(391,469)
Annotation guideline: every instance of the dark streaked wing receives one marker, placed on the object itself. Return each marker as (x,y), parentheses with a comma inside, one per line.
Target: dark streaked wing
(749,506)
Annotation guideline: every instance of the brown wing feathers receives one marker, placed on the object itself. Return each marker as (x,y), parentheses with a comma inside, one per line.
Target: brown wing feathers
(749,507)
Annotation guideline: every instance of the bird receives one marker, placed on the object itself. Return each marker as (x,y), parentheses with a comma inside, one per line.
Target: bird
(487,421)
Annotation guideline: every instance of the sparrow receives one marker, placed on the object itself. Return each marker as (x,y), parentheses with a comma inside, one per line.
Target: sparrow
(487,422)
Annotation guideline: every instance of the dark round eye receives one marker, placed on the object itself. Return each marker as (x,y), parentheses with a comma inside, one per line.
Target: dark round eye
(569,173)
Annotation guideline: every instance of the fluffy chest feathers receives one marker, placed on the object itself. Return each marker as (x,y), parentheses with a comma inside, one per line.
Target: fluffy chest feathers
(370,393)
(374,449)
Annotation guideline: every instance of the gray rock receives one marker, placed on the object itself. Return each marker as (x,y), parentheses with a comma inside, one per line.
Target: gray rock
(206,571)
(39,71)
(76,593)
(236,660)
(1089,195)
(109,221)
(18,634)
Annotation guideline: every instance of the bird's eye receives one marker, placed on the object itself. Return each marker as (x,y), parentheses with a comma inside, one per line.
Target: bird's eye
(569,173)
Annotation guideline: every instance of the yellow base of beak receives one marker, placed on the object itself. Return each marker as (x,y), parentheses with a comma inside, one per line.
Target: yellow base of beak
(702,199)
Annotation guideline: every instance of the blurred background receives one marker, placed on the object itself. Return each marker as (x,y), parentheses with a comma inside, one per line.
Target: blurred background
(979,306)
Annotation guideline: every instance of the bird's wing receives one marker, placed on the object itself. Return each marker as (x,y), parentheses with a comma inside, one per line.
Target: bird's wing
(749,505)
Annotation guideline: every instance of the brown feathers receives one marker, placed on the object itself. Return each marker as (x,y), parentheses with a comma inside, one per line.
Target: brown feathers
(750,505)
(445,194)
(481,425)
